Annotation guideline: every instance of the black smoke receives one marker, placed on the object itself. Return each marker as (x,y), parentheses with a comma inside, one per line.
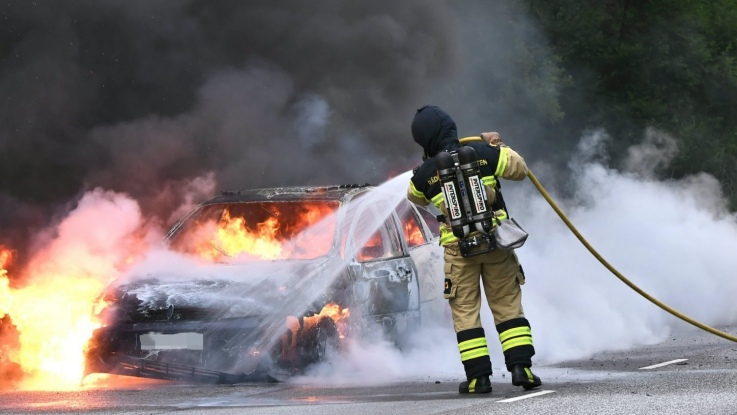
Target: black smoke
(145,96)
(137,96)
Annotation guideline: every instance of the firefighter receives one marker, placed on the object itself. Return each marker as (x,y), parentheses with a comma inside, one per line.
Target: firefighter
(499,270)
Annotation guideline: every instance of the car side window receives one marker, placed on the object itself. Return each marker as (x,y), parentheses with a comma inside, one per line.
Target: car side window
(411,225)
(431,221)
(376,239)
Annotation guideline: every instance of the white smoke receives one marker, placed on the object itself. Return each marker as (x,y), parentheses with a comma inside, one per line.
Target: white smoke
(192,191)
(674,238)
(431,354)
(93,239)
(654,153)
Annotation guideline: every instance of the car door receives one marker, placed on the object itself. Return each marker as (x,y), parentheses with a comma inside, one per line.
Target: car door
(385,279)
(423,247)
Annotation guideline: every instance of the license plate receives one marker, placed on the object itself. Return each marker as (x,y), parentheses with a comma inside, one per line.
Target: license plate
(178,341)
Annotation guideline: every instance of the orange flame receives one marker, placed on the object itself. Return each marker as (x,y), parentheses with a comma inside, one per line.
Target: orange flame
(53,318)
(413,233)
(333,311)
(285,234)
(51,303)
(6,257)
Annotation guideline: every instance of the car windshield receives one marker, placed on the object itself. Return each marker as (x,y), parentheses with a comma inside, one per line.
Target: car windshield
(258,231)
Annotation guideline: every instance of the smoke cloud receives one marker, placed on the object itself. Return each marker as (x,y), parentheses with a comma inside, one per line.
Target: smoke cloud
(144,97)
(674,239)
(137,96)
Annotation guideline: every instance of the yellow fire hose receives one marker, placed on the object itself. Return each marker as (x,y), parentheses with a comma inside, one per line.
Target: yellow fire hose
(608,266)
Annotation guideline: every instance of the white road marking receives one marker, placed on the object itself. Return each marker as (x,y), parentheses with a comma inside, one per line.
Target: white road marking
(532,395)
(670,362)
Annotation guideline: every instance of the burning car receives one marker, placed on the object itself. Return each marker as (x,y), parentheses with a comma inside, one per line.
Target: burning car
(289,274)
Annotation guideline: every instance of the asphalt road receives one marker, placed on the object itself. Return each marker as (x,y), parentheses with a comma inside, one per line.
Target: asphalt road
(611,383)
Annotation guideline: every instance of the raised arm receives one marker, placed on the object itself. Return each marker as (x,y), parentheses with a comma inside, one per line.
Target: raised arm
(511,165)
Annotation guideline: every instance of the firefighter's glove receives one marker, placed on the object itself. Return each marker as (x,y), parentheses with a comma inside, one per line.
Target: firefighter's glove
(492,138)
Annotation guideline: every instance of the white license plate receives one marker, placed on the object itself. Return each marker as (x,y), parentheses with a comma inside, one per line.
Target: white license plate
(179,341)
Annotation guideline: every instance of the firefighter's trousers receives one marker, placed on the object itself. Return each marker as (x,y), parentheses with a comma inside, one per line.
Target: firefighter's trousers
(502,276)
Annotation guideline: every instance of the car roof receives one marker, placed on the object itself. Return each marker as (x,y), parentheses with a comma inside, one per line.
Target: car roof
(283,194)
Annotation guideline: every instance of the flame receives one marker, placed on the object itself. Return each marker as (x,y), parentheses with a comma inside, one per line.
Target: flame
(413,233)
(234,237)
(289,341)
(53,318)
(286,233)
(52,299)
(372,249)
(338,314)
(6,257)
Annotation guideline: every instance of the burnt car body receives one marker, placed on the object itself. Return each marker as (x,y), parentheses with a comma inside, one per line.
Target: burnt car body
(270,317)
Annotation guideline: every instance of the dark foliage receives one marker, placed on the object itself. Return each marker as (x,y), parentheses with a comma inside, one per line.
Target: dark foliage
(667,64)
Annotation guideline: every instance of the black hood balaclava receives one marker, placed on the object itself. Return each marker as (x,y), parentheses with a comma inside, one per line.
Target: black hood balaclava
(434,130)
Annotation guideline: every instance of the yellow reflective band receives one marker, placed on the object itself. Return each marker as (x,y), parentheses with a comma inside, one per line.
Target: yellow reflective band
(522,341)
(472,354)
(529,375)
(438,199)
(489,181)
(470,344)
(518,331)
(502,216)
(472,386)
(447,237)
(416,192)
(503,155)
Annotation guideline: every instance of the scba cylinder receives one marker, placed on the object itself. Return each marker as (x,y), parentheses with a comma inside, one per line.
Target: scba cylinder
(480,214)
(448,174)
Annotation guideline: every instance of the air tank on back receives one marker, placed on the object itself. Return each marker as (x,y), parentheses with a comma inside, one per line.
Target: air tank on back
(480,214)
(447,172)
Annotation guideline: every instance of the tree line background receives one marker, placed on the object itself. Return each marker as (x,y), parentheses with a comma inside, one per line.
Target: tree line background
(626,65)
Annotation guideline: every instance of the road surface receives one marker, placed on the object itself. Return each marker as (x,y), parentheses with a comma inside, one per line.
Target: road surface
(690,373)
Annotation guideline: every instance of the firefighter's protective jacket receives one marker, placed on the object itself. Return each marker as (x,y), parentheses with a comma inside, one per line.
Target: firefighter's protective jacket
(435,131)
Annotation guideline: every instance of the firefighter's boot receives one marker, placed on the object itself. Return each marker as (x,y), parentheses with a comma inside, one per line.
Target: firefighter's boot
(478,385)
(523,376)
